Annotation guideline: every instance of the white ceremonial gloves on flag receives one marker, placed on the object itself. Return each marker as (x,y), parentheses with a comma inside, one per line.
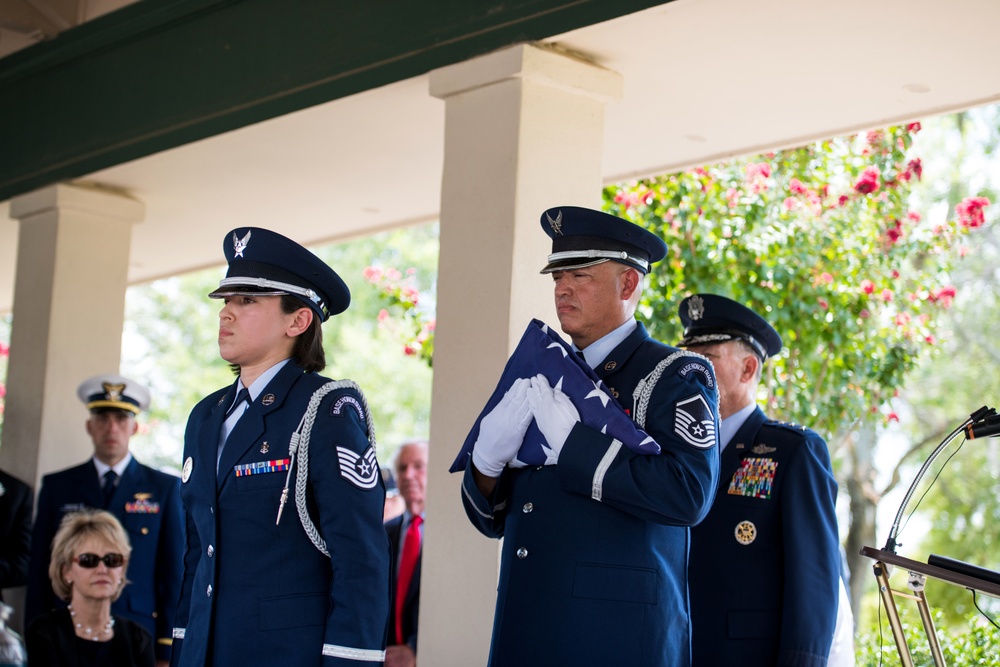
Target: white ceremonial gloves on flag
(501,432)
(554,413)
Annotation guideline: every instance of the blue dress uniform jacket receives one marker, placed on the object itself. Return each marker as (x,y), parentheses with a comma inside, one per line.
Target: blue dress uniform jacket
(256,593)
(15,531)
(594,561)
(147,503)
(765,563)
(411,601)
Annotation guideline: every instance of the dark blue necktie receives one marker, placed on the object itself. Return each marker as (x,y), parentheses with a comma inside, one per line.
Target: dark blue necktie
(244,395)
(110,481)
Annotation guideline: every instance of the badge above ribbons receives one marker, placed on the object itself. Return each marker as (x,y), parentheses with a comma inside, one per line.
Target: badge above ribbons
(541,350)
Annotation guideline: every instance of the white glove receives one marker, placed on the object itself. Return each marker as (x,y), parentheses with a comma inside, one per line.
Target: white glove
(554,414)
(501,432)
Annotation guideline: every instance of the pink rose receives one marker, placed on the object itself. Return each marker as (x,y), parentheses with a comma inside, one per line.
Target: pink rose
(970,211)
(867,286)
(868,181)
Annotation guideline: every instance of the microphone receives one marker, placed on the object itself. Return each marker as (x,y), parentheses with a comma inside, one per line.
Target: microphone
(983,423)
(985,429)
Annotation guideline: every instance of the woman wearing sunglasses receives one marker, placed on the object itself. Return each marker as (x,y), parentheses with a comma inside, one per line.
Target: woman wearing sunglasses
(89,558)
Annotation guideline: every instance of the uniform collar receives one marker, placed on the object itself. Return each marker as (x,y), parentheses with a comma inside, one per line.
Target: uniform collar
(119,467)
(599,350)
(731,424)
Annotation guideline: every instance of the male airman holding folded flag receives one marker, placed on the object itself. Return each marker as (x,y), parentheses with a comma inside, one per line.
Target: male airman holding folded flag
(595,514)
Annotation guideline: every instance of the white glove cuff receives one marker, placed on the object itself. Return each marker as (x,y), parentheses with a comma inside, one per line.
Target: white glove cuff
(488,468)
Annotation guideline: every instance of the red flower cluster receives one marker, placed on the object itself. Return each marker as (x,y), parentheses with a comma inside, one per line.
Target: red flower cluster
(943,296)
(970,212)
(757,175)
(868,181)
(895,231)
(628,199)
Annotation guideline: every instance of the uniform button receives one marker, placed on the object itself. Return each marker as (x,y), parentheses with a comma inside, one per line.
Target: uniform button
(521,553)
(527,507)
(144,531)
(208,591)
(212,510)
(210,551)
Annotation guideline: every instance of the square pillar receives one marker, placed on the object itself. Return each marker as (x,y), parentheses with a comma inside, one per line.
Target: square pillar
(69,309)
(524,131)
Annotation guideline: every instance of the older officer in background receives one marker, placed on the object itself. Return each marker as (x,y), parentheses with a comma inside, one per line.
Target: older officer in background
(146,502)
(406,541)
(595,554)
(765,563)
(287,560)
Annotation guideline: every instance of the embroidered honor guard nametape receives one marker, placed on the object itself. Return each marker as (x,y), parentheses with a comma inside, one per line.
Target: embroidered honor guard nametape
(260,467)
(754,478)
(361,470)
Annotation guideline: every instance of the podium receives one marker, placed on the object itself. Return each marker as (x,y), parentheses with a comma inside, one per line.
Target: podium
(918,572)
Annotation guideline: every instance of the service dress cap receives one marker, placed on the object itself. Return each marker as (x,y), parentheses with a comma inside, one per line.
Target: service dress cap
(584,237)
(710,319)
(113,392)
(265,263)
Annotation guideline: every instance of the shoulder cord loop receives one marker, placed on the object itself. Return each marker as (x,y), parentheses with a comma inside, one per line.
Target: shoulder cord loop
(644,390)
(300,445)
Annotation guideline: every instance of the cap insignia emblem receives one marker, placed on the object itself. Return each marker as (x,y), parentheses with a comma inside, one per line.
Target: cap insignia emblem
(696,307)
(556,224)
(239,245)
(113,391)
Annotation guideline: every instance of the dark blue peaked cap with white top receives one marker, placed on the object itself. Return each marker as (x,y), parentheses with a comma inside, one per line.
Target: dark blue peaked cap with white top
(262,262)
(583,237)
(710,319)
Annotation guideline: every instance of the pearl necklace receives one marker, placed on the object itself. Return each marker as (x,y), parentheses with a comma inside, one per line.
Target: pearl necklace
(89,632)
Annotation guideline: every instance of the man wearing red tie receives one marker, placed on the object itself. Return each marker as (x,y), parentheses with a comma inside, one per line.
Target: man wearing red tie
(405,537)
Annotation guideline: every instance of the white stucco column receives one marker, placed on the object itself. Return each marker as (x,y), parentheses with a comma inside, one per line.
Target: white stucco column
(524,131)
(69,308)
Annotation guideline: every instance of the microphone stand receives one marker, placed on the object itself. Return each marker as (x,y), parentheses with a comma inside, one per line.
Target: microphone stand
(976,417)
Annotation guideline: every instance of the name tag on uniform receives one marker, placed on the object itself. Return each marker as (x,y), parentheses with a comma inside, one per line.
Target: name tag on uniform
(261,467)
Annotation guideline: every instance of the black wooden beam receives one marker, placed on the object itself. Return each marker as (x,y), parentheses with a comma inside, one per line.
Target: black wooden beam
(158,74)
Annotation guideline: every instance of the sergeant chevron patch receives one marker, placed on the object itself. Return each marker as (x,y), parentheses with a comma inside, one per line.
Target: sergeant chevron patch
(693,422)
(361,470)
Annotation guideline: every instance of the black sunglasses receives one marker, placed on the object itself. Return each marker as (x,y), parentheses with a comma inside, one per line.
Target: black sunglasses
(90,561)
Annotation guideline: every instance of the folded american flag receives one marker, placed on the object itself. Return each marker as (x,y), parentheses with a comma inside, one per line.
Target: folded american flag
(541,350)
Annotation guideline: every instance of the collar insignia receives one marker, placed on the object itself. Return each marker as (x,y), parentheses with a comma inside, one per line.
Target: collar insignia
(556,224)
(239,245)
(696,308)
(113,391)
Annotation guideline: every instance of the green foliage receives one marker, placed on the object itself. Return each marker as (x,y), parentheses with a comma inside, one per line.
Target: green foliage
(959,513)
(820,239)
(972,642)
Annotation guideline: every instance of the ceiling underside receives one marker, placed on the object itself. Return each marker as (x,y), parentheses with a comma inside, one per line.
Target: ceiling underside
(704,80)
